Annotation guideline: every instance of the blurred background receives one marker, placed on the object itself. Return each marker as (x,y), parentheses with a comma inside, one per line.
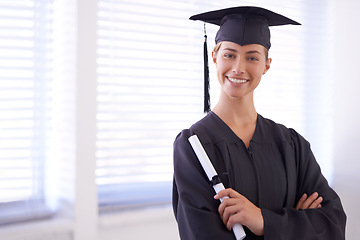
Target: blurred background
(94,92)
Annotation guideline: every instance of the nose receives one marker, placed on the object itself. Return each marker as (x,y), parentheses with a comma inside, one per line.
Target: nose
(238,67)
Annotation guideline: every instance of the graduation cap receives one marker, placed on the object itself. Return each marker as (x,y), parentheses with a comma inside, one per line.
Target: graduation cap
(241,25)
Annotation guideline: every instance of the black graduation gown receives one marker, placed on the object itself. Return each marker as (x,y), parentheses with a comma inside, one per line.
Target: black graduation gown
(273,173)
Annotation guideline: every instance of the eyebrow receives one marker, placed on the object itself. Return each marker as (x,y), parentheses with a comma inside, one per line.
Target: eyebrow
(248,52)
(230,49)
(253,51)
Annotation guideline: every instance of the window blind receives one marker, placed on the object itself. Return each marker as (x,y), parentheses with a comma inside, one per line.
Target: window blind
(25,36)
(149,68)
(148,72)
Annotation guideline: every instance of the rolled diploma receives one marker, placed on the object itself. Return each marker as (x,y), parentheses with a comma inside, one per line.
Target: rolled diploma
(210,172)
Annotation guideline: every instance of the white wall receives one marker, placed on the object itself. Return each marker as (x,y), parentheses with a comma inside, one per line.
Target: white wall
(346,101)
(156,223)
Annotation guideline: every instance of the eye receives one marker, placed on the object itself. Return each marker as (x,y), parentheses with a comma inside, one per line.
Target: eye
(229,55)
(254,59)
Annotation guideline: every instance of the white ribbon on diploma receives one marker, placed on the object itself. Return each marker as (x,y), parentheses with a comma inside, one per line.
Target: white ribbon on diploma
(211,172)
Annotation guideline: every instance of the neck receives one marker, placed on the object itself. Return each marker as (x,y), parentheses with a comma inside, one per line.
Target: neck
(236,111)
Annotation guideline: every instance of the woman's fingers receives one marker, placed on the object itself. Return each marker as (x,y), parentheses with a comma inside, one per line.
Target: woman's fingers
(229,192)
(313,201)
(316,203)
(301,201)
(238,209)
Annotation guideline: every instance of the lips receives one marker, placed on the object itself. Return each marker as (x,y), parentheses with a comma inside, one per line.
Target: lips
(237,80)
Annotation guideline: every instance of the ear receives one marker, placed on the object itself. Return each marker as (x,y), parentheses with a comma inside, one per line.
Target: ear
(267,65)
(214,55)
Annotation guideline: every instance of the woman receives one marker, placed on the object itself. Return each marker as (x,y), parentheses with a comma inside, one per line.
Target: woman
(275,185)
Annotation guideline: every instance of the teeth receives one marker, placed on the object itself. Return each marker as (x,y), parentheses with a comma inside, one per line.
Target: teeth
(236,80)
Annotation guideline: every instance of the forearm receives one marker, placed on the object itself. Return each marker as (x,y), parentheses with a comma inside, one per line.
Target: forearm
(289,223)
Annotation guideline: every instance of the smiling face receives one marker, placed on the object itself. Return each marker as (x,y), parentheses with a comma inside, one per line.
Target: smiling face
(240,68)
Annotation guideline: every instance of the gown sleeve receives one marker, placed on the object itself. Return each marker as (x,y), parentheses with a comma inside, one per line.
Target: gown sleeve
(327,222)
(195,208)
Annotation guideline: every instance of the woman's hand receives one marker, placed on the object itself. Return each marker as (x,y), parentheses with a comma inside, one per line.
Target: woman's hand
(305,202)
(238,209)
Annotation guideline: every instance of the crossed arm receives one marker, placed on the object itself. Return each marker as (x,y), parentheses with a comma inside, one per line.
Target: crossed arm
(238,209)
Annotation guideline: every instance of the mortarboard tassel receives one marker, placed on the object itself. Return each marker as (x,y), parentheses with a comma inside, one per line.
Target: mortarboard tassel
(206,76)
